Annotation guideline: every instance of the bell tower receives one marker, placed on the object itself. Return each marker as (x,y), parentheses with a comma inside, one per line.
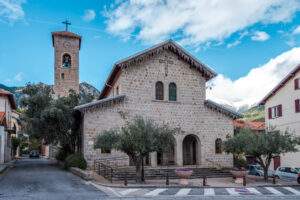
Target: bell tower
(66,61)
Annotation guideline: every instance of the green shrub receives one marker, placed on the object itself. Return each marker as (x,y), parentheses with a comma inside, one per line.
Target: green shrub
(239,162)
(62,155)
(75,160)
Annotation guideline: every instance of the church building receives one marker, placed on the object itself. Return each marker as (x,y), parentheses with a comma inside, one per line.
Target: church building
(166,84)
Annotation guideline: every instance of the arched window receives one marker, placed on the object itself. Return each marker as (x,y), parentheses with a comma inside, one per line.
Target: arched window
(159,91)
(66,60)
(218,146)
(172,92)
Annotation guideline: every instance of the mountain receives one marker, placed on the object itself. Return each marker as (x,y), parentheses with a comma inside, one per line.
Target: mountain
(87,92)
(256,113)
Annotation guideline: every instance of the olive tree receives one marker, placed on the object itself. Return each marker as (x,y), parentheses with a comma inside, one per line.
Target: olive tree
(137,139)
(262,146)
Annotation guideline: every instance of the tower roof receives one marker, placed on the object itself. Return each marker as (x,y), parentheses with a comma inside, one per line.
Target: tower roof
(66,34)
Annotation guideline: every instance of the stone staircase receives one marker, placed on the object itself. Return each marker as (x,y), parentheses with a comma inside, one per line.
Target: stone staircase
(129,173)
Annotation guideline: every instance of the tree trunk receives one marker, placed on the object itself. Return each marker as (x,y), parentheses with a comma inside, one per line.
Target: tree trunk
(143,172)
(138,168)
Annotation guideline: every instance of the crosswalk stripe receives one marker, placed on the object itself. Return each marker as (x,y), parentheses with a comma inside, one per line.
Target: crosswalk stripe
(292,190)
(155,192)
(232,191)
(274,191)
(125,192)
(183,192)
(254,191)
(209,192)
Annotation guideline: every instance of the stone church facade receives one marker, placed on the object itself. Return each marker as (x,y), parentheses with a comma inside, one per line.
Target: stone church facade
(167,85)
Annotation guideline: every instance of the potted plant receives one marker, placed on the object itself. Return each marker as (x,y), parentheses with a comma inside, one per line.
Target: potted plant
(184,174)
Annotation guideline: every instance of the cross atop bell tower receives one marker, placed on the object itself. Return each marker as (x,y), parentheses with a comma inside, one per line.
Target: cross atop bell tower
(66,61)
(67,23)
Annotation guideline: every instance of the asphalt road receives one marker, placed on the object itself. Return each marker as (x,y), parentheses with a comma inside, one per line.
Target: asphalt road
(40,179)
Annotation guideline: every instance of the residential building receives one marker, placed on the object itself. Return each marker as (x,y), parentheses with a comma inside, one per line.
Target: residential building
(282,111)
(7,127)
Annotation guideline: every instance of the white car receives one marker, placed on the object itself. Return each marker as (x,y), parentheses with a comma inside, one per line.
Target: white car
(288,173)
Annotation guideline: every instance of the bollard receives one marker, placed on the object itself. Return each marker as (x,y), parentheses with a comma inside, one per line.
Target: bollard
(244,181)
(204,181)
(125,179)
(274,180)
(167,179)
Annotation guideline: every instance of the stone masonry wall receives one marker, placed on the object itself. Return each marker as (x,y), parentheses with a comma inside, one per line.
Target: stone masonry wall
(188,113)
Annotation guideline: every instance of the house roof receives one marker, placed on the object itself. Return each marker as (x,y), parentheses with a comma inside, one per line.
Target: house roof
(2,119)
(10,97)
(280,85)
(138,57)
(66,34)
(222,109)
(253,125)
(98,103)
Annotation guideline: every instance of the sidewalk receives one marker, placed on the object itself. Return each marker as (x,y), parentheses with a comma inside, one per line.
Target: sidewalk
(4,166)
(194,183)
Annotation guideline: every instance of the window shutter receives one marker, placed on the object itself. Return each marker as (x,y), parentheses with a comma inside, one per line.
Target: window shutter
(297,84)
(297,105)
(270,113)
(279,110)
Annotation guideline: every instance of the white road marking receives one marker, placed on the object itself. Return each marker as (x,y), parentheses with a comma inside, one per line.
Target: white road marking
(296,192)
(209,192)
(125,192)
(183,192)
(155,192)
(107,190)
(274,191)
(232,191)
(254,191)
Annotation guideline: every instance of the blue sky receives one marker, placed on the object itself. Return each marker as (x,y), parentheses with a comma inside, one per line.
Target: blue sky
(232,38)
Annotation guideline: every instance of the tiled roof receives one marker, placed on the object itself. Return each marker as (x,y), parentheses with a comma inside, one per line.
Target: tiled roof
(98,103)
(2,118)
(280,85)
(222,109)
(253,125)
(10,96)
(136,58)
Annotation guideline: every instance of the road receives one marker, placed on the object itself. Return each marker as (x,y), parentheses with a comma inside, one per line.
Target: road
(38,179)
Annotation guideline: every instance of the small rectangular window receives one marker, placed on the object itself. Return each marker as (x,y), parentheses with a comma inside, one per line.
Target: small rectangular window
(62,76)
(275,112)
(297,83)
(297,105)
(105,150)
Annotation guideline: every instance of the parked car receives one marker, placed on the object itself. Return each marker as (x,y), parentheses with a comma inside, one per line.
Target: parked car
(255,170)
(34,154)
(288,173)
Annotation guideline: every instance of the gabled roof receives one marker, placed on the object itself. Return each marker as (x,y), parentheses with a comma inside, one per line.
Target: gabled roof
(138,57)
(10,97)
(98,103)
(215,106)
(66,34)
(280,85)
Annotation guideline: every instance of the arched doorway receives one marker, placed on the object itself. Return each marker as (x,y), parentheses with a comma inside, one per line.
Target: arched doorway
(190,150)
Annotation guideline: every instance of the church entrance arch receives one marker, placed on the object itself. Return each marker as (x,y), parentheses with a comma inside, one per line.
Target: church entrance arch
(191,150)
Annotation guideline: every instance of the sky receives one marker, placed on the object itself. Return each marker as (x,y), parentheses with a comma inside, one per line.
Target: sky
(251,44)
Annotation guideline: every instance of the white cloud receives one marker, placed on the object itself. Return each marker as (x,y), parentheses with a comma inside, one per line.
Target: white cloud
(260,36)
(195,21)
(11,10)
(89,15)
(17,78)
(296,30)
(250,89)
